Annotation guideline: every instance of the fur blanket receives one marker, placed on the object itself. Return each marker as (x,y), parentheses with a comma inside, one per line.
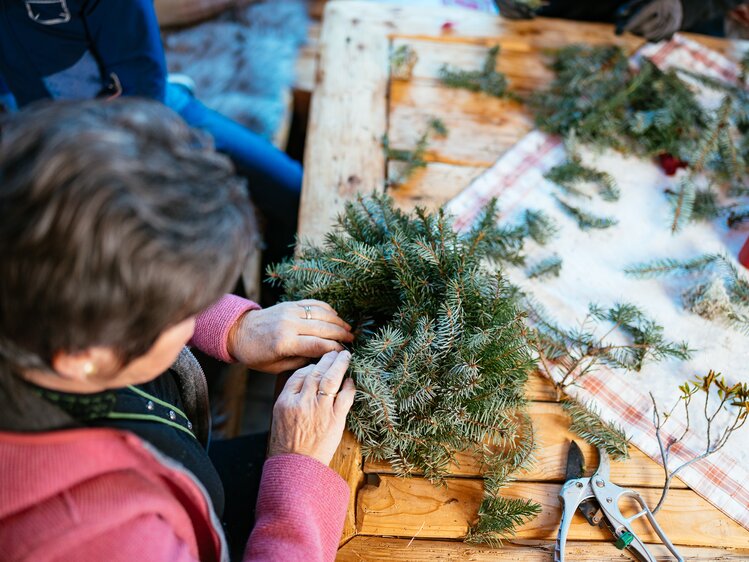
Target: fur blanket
(243,61)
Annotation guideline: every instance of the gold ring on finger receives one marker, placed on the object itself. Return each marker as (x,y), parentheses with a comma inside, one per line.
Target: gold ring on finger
(323,393)
(307,312)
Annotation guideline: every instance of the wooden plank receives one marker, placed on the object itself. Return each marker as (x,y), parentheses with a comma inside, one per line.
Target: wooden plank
(482,29)
(347,121)
(405,507)
(539,388)
(315,8)
(306,61)
(553,437)
(347,462)
(381,549)
(481,128)
(432,186)
(525,69)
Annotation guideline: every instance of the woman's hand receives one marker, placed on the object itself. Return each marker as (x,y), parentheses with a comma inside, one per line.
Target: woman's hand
(310,413)
(286,336)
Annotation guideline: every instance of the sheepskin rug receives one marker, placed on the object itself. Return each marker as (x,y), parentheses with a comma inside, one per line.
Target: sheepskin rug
(242,62)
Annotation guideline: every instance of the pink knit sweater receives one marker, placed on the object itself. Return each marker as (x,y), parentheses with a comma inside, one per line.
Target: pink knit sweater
(213,325)
(101,494)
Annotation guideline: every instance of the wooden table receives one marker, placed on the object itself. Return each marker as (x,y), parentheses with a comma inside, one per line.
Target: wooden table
(354,104)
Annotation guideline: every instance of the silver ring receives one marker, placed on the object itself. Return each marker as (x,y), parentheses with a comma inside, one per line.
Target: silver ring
(323,393)
(307,312)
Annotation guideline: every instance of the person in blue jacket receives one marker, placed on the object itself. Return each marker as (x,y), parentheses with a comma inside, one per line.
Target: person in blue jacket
(81,49)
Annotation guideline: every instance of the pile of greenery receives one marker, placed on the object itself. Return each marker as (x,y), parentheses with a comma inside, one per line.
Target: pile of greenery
(601,100)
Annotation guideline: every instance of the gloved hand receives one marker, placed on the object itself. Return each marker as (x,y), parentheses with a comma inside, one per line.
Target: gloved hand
(654,20)
(514,10)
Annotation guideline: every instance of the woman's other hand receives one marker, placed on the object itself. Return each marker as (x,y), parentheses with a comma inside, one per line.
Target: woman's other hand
(310,413)
(286,336)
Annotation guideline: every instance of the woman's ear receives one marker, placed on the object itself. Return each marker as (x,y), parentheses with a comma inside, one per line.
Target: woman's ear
(81,366)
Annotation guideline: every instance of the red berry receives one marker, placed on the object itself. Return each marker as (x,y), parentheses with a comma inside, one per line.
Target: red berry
(744,254)
(670,163)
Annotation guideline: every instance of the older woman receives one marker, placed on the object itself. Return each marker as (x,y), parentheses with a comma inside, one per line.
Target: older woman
(120,231)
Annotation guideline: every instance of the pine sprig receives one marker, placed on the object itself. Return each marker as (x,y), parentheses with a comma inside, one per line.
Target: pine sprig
(505,243)
(547,267)
(539,226)
(720,291)
(416,158)
(647,338)
(585,219)
(566,355)
(668,266)
(487,80)
(705,205)
(588,424)
(572,175)
(402,62)
(683,203)
(499,517)
(442,354)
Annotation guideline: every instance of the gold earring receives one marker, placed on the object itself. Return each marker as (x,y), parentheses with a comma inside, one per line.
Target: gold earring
(88,369)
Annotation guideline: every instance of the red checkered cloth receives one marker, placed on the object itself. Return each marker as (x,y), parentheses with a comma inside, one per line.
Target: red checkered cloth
(592,271)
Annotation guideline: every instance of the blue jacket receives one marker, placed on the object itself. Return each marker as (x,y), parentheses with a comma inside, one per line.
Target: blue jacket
(77,49)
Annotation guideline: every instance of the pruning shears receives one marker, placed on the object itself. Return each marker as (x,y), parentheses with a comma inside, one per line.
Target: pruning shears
(597,498)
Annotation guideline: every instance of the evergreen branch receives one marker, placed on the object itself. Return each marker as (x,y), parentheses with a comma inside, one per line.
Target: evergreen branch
(416,158)
(487,80)
(586,220)
(547,267)
(684,203)
(572,173)
(671,266)
(539,226)
(566,356)
(705,205)
(721,292)
(402,62)
(586,422)
(498,518)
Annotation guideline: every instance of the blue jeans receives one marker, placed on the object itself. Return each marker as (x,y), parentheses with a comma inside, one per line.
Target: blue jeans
(274,179)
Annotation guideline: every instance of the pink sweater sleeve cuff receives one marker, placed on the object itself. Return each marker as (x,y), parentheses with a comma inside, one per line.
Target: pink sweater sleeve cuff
(301,508)
(212,326)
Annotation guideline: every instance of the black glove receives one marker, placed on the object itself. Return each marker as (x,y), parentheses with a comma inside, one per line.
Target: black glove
(513,10)
(654,20)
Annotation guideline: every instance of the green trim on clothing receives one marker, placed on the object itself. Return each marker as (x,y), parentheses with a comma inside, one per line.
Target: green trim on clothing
(147,417)
(145,394)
